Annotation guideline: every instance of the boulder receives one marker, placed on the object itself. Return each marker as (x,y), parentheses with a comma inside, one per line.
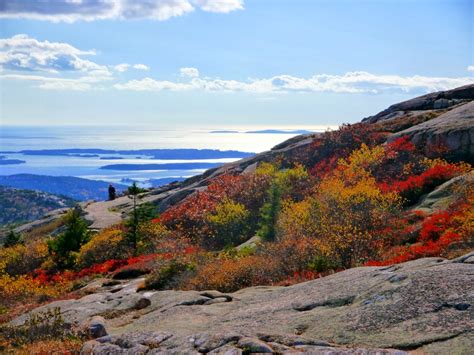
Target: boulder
(253,345)
(94,327)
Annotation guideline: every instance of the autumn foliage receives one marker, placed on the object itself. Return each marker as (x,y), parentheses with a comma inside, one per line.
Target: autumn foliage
(348,200)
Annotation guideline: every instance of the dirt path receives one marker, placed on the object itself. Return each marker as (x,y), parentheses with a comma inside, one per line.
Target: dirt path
(104,214)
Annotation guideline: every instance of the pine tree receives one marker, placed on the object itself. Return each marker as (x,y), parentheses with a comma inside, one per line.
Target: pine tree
(12,239)
(132,235)
(269,213)
(62,247)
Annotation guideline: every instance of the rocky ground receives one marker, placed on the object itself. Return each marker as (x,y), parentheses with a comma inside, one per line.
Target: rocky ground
(425,306)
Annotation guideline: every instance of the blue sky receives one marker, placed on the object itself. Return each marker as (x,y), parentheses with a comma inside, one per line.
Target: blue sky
(226,62)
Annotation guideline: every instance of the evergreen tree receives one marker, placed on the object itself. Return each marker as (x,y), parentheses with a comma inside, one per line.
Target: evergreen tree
(63,247)
(12,239)
(132,235)
(269,213)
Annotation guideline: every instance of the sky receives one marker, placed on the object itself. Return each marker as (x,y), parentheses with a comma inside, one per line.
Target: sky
(225,63)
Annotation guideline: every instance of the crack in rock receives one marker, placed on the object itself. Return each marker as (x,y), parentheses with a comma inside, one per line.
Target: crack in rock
(334,302)
(457,306)
(419,344)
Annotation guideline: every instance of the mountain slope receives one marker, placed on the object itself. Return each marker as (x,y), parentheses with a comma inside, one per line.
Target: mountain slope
(426,120)
(72,187)
(26,205)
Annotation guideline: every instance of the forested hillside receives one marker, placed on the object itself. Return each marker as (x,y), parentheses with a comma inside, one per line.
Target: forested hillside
(20,206)
(73,187)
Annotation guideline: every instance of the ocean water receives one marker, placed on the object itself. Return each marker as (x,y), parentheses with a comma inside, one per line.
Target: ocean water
(14,139)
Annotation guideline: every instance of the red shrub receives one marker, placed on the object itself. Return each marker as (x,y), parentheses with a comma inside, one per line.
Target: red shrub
(340,143)
(401,145)
(413,187)
(437,233)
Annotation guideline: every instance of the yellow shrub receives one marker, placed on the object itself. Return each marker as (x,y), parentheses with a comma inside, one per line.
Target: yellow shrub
(105,245)
(22,259)
(15,289)
(152,236)
(228,223)
(347,212)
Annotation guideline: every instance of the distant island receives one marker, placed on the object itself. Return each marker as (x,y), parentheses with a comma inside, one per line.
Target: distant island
(278,131)
(113,158)
(5,161)
(224,131)
(165,154)
(83,155)
(167,166)
(267,131)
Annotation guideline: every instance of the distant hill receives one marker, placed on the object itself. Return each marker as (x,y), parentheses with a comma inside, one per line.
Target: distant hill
(73,187)
(17,206)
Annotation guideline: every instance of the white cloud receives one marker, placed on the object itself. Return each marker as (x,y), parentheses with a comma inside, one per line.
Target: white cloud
(92,10)
(222,6)
(122,67)
(141,67)
(189,72)
(470,68)
(23,53)
(351,82)
(149,84)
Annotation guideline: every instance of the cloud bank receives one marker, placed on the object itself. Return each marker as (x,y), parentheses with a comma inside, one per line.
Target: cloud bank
(351,82)
(92,10)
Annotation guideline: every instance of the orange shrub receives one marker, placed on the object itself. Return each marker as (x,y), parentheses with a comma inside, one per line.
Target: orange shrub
(229,275)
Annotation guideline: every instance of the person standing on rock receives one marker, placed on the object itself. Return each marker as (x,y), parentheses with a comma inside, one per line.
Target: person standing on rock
(111,192)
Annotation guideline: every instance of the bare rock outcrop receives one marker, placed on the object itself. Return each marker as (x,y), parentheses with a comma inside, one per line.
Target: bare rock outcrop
(433,101)
(426,304)
(453,130)
(445,194)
